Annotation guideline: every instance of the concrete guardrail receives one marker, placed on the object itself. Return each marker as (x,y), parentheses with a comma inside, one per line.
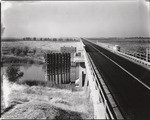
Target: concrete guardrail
(140,58)
(104,104)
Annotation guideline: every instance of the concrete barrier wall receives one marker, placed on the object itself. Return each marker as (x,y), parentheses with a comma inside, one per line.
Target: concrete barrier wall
(103,103)
(126,54)
(99,109)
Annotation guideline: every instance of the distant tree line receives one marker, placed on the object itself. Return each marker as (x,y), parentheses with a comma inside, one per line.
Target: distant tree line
(137,37)
(49,39)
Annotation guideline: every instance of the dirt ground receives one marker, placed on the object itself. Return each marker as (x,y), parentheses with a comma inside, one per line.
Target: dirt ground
(39,102)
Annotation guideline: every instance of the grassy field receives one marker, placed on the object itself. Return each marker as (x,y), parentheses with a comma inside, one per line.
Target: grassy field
(45,45)
(30,51)
(39,102)
(136,45)
(19,59)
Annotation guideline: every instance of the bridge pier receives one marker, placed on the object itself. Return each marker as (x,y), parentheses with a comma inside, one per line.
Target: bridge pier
(58,68)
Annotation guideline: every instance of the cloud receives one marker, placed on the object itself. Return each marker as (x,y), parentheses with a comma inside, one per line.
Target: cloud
(6,5)
(91,19)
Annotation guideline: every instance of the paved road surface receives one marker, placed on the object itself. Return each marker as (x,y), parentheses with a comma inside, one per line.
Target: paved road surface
(128,82)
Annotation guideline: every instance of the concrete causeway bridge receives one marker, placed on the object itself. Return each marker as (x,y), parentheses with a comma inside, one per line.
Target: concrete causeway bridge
(119,83)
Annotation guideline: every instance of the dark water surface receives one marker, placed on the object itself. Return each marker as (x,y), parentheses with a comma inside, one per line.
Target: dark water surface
(37,72)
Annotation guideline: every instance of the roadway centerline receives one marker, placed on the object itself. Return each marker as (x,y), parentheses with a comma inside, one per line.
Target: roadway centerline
(121,67)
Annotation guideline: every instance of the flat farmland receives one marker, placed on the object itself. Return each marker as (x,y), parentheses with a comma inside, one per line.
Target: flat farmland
(136,45)
(45,45)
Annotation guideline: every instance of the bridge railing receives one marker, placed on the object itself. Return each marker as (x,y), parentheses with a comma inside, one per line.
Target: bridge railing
(142,58)
(111,109)
(139,55)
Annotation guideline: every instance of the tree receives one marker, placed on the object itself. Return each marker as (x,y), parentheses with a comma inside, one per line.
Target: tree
(25,50)
(34,51)
(14,73)
(17,51)
(34,38)
(13,50)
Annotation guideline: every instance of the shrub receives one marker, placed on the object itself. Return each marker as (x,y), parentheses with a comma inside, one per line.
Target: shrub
(17,51)
(25,50)
(34,51)
(141,50)
(13,73)
(13,50)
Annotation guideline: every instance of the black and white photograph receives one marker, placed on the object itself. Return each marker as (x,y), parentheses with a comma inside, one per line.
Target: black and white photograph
(75,59)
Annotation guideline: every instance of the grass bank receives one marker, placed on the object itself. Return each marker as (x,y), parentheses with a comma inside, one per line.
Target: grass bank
(38,102)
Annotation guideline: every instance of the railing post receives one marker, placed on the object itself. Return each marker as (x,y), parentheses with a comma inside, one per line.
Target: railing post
(147,52)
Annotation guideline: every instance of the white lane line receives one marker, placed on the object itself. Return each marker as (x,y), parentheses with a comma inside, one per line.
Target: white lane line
(121,68)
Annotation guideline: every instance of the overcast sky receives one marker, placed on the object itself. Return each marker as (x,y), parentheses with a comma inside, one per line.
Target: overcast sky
(76,19)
